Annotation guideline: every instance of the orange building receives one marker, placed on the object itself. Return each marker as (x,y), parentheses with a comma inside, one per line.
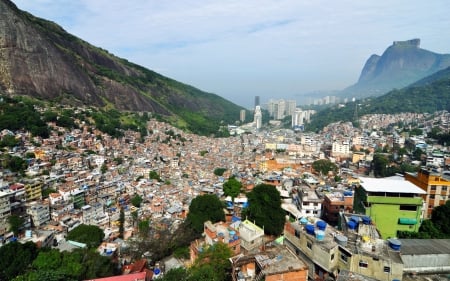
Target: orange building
(435,185)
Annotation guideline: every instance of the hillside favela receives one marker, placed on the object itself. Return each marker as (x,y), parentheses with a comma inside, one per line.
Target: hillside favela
(111,171)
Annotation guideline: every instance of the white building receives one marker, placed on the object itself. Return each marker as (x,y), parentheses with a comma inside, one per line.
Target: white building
(258,117)
(340,148)
(252,236)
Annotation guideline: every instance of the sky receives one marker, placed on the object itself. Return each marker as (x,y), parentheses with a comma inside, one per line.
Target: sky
(239,49)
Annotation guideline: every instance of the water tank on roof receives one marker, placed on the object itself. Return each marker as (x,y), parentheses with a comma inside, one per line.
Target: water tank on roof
(320,235)
(366,220)
(321,225)
(303,220)
(310,229)
(351,225)
(348,193)
(395,244)
(341,240)
(355,219)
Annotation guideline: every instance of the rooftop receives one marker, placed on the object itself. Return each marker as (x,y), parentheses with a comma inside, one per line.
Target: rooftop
(425,246)
(391,184)
(279,259)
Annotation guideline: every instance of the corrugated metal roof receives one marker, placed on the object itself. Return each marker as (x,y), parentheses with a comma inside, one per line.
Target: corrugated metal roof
(425,246)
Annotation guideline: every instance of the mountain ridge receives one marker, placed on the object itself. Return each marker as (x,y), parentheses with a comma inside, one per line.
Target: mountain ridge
(39,58)
(429,94)
(401,64)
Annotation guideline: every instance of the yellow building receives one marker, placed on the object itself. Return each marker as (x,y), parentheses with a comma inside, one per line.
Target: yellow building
(435,186)
(33,190)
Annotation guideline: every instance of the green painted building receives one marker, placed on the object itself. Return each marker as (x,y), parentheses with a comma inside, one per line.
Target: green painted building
(393,204)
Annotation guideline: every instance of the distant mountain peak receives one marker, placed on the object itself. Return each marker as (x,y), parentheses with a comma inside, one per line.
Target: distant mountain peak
(410,43)
(401,64)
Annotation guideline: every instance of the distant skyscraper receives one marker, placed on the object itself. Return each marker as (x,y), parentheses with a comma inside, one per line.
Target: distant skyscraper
(257,101)
(258,117)
(242,115)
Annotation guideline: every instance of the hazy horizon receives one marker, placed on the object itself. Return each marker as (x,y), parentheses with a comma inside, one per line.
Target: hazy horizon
(241,49)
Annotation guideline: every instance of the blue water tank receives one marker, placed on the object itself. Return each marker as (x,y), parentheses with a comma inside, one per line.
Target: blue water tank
(348,193)
(395,244)
(355,219)
(366,220)
(320,235)
(157,271)
(352,225)
(303,220)
(310,229)
(321,225)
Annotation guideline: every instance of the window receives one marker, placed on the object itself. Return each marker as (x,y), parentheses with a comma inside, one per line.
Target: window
(332,257)
(431,196)
(309,245)
(433,187)
(444,188)
(297,233)
(386,269)
(363,264)
(316,204)
(344,258)
(408,208)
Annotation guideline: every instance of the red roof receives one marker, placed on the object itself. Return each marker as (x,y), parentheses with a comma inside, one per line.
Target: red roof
(140,276)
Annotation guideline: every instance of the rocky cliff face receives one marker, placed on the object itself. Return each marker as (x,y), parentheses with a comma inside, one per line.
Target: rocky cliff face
(403,63)
(38,58)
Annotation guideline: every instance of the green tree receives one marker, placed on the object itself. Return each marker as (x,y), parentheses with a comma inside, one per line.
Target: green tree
(136,200)
(104,168)
(16,258)
(440,218)
(154,176)
(232,187)
(144,227)
(380,165)
(48,260)
(219,171)
(206,272)
(91,235)
(121,222)
(203,208)
(9,141)
(96,266)
(324,166)
(215,257)
(175,274)
(265,209)
(15,223)
(417,154)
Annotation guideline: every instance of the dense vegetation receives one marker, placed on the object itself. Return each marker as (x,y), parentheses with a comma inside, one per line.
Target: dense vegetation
(31,115)
(22,262)
(203,208)
(265,209)
(428,95)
